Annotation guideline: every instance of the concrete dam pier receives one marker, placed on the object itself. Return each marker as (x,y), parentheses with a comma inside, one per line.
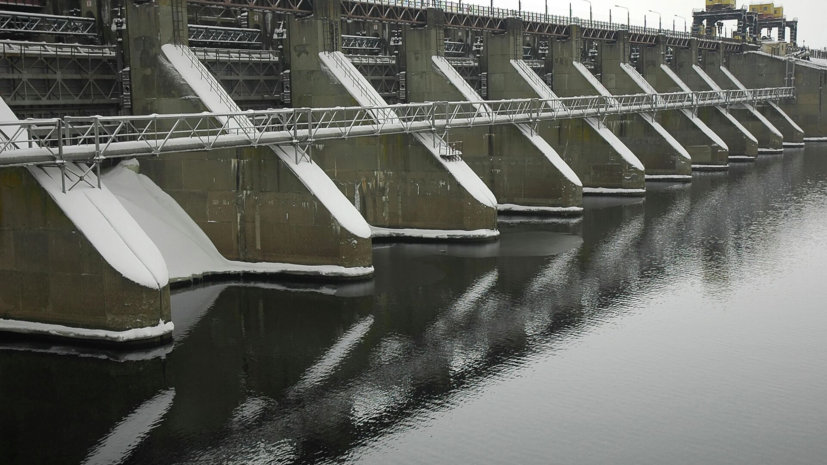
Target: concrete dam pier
(146,145)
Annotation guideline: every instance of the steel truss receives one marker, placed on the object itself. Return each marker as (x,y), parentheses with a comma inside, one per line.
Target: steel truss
(223,36)
(39,79)
(23,24)
(89,139)
(302,7)
(360,44)
(253,78)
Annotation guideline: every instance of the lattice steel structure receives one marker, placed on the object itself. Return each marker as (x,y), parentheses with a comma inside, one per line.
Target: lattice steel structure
(302,7)
(95,139)
(214,36)
(16,24)
(253,78)
(44,80)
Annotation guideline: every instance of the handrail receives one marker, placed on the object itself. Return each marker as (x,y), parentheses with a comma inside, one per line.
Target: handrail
(101,137)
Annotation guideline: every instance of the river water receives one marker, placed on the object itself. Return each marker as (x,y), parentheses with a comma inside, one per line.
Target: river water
(686,327)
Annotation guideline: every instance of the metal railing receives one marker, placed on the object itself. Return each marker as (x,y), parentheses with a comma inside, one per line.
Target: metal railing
(56,141)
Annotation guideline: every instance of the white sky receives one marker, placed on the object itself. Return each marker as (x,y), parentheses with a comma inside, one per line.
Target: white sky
(810,13)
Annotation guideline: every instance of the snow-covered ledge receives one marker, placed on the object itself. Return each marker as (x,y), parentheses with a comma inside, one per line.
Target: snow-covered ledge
(99,335)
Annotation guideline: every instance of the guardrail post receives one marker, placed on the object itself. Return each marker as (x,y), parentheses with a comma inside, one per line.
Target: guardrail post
(98,155)
(61,163)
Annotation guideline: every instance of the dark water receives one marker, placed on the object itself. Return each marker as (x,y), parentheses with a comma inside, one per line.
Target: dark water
(684,328)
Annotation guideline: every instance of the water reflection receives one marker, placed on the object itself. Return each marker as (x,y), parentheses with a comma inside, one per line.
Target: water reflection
(297,372)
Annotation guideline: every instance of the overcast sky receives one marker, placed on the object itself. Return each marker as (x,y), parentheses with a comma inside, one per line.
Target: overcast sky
(810,13)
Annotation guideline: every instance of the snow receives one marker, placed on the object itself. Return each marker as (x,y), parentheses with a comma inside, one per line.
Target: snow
(676,146)
(470,94)
(616,143)
(668,177)
(550,154)
(732,78)
(597,85)
(510,207)
(361,90)
(815,139)
(706,78)
(612,191)
(712,135)
(188,251)
(533,80)
(639,79)
(465,176)
(818,61)
(742,158)
(737,124)
(546,93)
(216,99)
(118,445)
(713,167)
(102,220)
(751,108)
(675,78)
(794,144)
(768,150)
(46,329)
(798,62)
(320,184)
(787,117)
(435,233)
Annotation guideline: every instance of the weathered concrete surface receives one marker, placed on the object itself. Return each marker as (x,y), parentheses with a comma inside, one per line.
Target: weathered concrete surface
(394,181)
(50,272)
(660,153)
(770,139)
(742,144)
(597,162)
(707,149)
(793,133)
(252,205)
(756,70)
(515,169)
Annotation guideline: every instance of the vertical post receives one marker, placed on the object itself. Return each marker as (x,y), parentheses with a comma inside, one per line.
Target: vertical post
(98,150)
(60,155)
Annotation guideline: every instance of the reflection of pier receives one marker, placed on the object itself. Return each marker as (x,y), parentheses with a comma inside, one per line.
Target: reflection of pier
(244,350)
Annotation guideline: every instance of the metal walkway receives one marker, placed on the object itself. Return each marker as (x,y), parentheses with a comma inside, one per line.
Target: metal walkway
(93,139)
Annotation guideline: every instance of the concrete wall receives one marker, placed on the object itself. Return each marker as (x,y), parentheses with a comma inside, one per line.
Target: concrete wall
(657,154)
(691,132)
(740,143)
(756,70)
(516,170)
(51,273)
(768,136)
(595,160)
(394,181)
(251,204)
